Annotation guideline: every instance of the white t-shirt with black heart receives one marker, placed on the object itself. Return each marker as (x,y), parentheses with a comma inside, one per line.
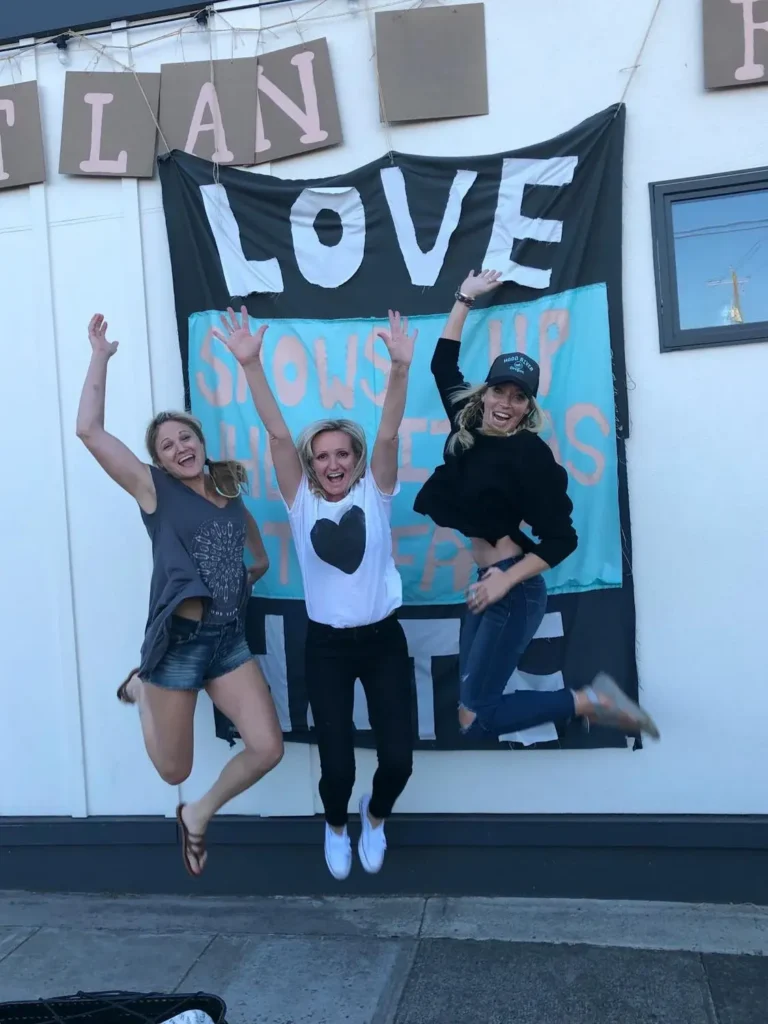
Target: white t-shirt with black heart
(344,550)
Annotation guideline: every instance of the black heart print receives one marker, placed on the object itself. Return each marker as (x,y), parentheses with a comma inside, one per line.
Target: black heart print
(341,544)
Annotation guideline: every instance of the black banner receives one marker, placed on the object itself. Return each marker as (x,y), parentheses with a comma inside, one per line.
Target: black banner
(321,261)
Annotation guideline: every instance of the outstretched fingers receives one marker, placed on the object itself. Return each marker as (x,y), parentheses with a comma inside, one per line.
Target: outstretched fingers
(394,320)
(229,321)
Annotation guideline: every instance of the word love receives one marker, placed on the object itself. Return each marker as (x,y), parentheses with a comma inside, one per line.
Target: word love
(330,266)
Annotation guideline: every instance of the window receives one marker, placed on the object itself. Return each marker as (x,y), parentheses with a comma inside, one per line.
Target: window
(710,249)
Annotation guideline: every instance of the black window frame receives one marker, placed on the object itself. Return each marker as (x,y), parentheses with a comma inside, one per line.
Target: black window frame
(672,338)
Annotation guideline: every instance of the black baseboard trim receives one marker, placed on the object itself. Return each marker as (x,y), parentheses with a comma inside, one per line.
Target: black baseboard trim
(699,859)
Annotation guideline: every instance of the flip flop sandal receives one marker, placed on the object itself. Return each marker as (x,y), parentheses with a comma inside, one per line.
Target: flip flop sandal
(122,690)
(621,712)
(190,844)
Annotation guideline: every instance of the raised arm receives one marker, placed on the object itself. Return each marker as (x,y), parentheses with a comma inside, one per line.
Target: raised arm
(384,458)
(246,348)
(445,361)
(111,454)
(472,287)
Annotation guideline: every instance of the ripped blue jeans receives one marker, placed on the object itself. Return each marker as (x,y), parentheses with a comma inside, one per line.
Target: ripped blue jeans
(490,649)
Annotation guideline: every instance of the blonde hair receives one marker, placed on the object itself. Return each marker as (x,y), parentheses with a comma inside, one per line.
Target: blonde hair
(470,417)
(228,476)
(359,445)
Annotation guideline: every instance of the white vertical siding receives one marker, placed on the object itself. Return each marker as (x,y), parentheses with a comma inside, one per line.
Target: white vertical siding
(74,555)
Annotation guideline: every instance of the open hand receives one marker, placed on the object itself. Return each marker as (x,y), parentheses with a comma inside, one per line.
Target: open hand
(237,336)
(399,343)
(490,589)
(478,284)
(97,335)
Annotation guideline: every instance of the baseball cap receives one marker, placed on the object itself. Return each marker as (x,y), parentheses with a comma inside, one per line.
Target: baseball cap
(515,368)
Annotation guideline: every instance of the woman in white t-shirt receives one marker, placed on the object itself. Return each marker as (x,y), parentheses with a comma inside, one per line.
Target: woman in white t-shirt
(339,510)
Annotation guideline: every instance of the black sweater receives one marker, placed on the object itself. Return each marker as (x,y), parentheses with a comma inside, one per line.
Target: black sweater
(491,488)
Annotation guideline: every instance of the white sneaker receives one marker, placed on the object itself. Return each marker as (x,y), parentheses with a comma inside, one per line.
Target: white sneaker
(373,842)
(338,853)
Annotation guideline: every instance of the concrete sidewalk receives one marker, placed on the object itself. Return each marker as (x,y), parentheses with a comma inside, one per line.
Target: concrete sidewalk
(400,960)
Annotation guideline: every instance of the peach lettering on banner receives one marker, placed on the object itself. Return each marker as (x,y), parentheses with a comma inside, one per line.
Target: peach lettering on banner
(494,340)
(221,394)
(495,330)
(460,562)
(227,440)
(8,107)
(437,427)
(208,99)
(308,119)
(282,531)
(550,436)
(548,345)
(96,164)
(381,364)
(576,413)
(270,478)
(334,391)
(252,464)
(400,532)
(290,352)
(521,332)
(241,388)
(409,473)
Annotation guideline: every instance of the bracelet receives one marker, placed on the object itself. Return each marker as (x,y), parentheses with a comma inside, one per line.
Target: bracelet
(460,297)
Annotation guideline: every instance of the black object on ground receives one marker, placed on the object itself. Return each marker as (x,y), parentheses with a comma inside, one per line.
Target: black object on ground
(112,1008)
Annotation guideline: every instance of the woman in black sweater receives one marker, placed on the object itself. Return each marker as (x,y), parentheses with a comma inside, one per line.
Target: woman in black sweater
(497,474)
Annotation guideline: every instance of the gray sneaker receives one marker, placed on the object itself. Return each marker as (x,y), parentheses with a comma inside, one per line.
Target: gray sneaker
(622,713)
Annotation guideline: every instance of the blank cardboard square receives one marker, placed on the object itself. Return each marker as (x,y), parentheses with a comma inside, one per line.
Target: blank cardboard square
(22,159)
(431,63)
(726,30)
(296,101)
(234,87)
(109,124)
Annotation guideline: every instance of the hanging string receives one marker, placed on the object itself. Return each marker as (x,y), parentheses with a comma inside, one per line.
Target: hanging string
(296,25)
(266,167)
(636,63)
(212,80)
(8,54)
(368,11)
(126,67)
(236,32)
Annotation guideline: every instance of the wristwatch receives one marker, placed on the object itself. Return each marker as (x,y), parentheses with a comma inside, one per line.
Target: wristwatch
(461,297)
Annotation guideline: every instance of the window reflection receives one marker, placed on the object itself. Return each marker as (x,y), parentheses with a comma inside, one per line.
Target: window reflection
(721,259)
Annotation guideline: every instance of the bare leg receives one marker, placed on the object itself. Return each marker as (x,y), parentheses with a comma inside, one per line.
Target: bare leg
(243,696)
(166,722)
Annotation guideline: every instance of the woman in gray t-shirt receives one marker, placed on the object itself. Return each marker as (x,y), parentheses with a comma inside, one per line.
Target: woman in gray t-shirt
(195,637)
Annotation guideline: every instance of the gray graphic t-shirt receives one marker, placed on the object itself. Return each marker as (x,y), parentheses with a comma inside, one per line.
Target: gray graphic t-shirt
(217,550)
(197,551)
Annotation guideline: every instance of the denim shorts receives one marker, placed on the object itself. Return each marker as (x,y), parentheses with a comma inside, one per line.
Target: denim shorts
(198,652)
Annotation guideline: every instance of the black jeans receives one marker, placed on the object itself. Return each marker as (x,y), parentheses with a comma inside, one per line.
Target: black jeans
(377,655)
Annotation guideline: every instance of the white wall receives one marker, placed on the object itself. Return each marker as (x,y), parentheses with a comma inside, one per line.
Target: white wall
(75,558)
